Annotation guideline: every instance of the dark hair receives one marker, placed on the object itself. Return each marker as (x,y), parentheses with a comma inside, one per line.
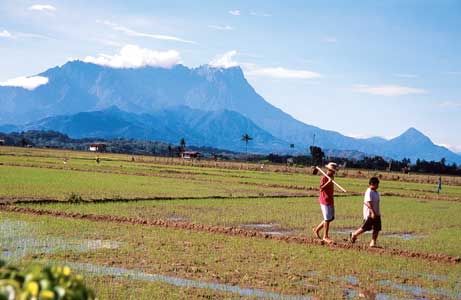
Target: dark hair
(374,181)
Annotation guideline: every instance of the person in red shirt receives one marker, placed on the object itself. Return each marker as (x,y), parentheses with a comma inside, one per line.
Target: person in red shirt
(327,204)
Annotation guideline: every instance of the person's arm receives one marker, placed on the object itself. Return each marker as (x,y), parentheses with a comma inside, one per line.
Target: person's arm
(372,212)
(323,186)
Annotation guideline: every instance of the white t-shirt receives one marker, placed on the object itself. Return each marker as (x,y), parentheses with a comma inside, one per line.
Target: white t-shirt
(373,198)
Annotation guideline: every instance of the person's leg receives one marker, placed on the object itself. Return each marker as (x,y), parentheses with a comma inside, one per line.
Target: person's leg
(326,228)
(356,233)
(326,238)
(376,229)
(317,229)
(329,217)
(366,225)
(374,237)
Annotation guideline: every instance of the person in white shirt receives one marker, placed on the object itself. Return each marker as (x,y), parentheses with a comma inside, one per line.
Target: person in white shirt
(371,213)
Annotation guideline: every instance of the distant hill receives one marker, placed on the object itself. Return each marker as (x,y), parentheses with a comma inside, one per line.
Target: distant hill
(198,101)
(220,129)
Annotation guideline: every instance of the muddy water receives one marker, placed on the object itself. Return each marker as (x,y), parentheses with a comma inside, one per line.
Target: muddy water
(352,290)
(402,236)
(181,282)
(260,226)
(17,241)
(269,228)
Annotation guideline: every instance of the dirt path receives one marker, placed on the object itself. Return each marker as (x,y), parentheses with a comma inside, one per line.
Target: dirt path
(232,231)
(32,200)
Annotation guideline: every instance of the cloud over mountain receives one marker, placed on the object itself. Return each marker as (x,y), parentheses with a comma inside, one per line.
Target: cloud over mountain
(29,83)
(225,60)
(133,56)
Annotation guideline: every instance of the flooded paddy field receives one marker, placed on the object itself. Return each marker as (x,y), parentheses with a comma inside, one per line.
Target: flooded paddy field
(165,230)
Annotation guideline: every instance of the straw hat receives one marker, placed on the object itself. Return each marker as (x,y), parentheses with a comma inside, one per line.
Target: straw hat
(332,166)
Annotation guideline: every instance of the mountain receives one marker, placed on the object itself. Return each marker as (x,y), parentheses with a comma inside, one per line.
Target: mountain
(203,94)
(214,129)
(411,140)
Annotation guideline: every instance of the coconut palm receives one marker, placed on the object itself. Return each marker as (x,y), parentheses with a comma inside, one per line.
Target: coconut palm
(182,144)
(246,138)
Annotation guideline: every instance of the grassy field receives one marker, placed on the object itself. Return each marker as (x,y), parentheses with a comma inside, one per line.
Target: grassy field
(138,260)
(411,224)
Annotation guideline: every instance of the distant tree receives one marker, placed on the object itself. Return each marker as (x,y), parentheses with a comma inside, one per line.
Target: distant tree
(246,138)
(169,149)
(317,155)
(24,142)
(182,144)
(292,147)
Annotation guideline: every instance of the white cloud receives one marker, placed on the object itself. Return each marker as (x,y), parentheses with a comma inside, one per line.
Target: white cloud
(280,72)
(235,12)
(221,27)
(360,135)
(5,34)
(260,14)
(453,73)
(28,83)
(454,148)
(131,32)
(43,7)
(225,60)
(388,90)
(32,35)
(16,35)
(132,56)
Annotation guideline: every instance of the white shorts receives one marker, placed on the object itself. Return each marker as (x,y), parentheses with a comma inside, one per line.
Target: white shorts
(328,212)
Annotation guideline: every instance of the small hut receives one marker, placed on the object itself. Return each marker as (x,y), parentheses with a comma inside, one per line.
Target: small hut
(98,147)
(190,155)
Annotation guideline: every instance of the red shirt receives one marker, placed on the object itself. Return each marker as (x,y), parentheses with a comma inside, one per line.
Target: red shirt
(326,196)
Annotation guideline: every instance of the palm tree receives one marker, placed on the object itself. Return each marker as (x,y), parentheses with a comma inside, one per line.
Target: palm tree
(182,144)
(292,146)
(246,138)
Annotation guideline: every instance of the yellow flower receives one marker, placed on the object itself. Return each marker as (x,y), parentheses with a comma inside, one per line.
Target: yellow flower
(66,271)
(46,295)
(32,287)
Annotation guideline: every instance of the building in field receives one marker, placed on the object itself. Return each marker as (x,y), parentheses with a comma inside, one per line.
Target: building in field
(190,155)
(98,147)
(2,142)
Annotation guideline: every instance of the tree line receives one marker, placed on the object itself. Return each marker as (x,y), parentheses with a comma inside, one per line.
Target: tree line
(315,156)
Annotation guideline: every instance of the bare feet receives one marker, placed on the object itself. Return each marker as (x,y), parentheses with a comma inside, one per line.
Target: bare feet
(373,244)
(316,233)
(352,238)
(328,240)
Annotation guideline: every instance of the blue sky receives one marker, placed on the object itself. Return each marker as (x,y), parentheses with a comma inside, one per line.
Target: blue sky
(363,68)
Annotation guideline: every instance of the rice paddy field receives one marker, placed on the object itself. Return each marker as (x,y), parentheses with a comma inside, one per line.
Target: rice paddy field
(162,228)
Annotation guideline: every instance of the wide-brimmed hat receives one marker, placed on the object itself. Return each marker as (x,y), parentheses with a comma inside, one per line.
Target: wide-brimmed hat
(332,166)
